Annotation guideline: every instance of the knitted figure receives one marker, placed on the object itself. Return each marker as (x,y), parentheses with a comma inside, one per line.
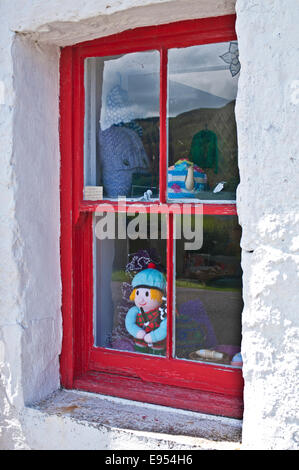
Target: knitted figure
(146,321)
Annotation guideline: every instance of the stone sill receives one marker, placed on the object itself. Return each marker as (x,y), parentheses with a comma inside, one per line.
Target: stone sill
(73,420)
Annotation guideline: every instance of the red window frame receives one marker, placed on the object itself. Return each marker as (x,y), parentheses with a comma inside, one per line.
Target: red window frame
(167,381)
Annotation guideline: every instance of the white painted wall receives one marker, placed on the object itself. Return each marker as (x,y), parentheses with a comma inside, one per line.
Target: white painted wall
(268,202)
(31,32)
(30,309)
(70,22)
(36,149)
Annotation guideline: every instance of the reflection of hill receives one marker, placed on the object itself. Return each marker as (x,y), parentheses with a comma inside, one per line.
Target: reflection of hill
(221,121)
(183,127)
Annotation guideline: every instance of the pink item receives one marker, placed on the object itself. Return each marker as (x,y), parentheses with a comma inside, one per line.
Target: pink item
(176,188)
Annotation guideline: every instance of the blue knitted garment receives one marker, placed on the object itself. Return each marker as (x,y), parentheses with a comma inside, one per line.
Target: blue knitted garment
(122,154)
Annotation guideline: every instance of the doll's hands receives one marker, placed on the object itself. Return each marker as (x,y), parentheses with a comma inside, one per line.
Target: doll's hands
(140,334)
(147,338)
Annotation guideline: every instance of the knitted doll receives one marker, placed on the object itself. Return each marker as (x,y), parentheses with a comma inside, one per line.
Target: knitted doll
(146,321)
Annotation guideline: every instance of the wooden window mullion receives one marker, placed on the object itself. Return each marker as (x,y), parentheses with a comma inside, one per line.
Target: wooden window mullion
(170,285)
(163,124)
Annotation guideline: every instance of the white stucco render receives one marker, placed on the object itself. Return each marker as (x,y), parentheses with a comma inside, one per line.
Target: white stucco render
(31,34)
(268,204)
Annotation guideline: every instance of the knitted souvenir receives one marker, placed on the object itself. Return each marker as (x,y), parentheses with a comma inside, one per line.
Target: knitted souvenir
(120,338)
(204,150)
(185,180)
(121,150)
(122,155)
(146,321)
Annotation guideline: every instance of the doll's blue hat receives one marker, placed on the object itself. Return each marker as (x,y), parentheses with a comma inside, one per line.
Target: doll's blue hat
(151,278)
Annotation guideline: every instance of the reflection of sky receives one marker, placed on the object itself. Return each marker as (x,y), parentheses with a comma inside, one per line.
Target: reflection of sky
(198,78)
(206,79)
(138,74)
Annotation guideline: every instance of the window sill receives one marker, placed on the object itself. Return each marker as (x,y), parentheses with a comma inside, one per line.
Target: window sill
(134,388)
(73,420)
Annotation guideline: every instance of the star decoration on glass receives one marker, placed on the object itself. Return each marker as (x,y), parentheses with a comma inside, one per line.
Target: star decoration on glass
(232,58)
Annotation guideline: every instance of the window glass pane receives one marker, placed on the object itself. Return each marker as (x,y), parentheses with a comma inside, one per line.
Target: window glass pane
(209,294)
(130,283)
(122,124)
(202,153)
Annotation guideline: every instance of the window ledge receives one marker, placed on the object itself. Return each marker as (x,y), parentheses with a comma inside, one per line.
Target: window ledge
(72,420)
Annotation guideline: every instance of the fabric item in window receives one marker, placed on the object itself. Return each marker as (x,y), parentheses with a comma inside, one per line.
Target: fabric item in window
(178,175)
(204,149)
(131,125)
(138,261)
(118,109)
(151,323)
(146,321)
(151,278)
(122,154)
(194,329)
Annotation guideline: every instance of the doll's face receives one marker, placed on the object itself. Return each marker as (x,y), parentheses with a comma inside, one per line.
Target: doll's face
(143,299)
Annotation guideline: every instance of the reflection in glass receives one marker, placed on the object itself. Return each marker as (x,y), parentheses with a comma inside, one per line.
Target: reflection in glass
(122,124)
(202,154)
(209,294)
(130,286)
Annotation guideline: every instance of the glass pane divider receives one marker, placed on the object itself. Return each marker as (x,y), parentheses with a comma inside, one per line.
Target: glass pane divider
(170,285)
(163,124)
(156,207)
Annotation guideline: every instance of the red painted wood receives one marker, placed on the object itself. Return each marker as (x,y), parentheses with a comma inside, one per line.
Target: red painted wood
(83,292)
(208,377)
(78,354)
(163,125)
(78,132)
(174,35)
(156,207)
(170,285)
(66,255)
(219,209)
(146,392)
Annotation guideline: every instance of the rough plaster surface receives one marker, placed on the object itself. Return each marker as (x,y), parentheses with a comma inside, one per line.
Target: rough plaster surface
(268,204)
(88,421)
(37,211)
(30,317)
(70,22)
(267,119)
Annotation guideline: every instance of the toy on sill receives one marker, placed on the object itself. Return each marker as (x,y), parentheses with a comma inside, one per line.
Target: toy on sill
(210,355)
(237,360)
(185,180)
(146,321)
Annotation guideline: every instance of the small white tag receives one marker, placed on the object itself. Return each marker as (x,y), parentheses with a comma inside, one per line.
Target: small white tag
(93,193)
